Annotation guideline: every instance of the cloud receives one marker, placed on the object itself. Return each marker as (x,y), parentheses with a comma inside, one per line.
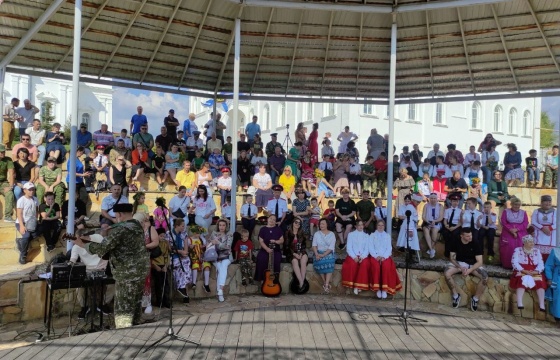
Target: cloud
(156,106)
(551,105)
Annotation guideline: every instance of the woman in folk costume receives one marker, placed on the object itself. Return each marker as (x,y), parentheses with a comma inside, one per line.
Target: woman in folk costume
(552,272)
(384,278)
(544,223)
(440,173)
(514,227)
(528,268)
(408,234)
(197,246)
(355,269)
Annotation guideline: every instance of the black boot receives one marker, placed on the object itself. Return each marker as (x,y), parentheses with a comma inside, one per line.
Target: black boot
(22,247)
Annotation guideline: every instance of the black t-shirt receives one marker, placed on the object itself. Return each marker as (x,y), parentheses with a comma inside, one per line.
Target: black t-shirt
(159,161)
(171,129)
(453,184)
(243,145)
(345,207)
(79,209)
(466,252)
(164,141)
(50,210)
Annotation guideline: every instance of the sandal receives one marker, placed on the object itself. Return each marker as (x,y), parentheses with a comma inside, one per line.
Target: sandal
(325,289)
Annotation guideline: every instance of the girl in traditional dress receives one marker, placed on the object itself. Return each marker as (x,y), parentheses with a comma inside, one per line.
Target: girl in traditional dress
(384,278)
(544,223)
(405,183)
(307,168)
(432,216)
(312,141)
(514,227)
(197,246)
(205,208)
(323,251)
(151,239)
(440,173)
(455,166)
(355,269)
(181,262)
(271,240)
(408,234)
(528,268)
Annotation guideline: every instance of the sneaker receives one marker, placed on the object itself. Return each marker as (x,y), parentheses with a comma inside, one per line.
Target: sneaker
(379,294)
(432,253)
(186,300)
(83,313)
(207,288)
(8,219)
(356,291)
(384,294)
(105,310)
(456,301)
(474,304)
(183,293)
(221,298)
(148,310)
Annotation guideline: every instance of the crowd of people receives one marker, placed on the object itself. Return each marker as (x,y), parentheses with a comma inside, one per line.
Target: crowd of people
(302,195)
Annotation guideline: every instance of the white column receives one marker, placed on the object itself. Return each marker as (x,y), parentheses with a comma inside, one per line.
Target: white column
(2,80)
(74,122)
(392,86)
(236,64)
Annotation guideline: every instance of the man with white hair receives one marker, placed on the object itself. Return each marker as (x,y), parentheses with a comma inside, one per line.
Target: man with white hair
(375,144)
(189,127)
(433,154)
(27,113)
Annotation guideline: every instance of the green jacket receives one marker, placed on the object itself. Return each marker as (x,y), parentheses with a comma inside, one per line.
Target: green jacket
(493,192)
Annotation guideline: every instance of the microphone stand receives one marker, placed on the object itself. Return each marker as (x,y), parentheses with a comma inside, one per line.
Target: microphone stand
(405,315)
(170,333)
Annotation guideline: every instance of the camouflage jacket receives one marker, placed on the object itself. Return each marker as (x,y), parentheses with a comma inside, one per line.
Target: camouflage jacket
(269,150)
(129,258)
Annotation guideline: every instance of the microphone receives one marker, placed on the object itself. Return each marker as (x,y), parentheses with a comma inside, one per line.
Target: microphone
(408,213)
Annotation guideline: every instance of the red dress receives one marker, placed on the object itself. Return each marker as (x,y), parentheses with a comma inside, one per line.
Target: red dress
(355,274)
(383,274)
(313,146)
(523,261)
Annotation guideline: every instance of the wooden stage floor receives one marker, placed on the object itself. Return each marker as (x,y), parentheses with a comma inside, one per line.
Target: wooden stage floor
(315,331)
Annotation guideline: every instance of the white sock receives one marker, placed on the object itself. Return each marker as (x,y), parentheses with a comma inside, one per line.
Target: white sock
(207,277)
(194,275)
(475,298)
(455,296)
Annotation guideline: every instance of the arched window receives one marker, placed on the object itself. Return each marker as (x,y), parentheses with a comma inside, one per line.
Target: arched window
(412,112)
(439,113)
(281,114)
(498,114)
(527,123)
(368,109)
(475,115)
(266,117)
(512,121)
(86,118)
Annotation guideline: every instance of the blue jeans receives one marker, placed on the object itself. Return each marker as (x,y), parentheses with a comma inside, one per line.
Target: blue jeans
(224,194)
(23,240)
(273,176)
(487,174)
(41,159)
(533,174)
(18,191)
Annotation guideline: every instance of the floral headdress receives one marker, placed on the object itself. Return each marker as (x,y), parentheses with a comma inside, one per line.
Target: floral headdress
(475,181)
(319,173)
(197,229)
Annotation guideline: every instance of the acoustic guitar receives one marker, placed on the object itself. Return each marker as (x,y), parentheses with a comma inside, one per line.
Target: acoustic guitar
(271,286)
(69,236)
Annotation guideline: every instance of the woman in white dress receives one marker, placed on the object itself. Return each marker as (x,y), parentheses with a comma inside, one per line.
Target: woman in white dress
(384,278)
(528,268)
(204,207)
(355,269)
(543,221)
(408,232)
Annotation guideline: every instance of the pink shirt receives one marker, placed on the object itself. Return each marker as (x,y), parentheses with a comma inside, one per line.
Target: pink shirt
(33,152)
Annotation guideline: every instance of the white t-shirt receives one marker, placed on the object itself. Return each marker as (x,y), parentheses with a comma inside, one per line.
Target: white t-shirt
(262,180)
(109,201)
(324,242)
(177,203)
(203,208)
(29,212)
(37,137)
(345,139)
(222,181)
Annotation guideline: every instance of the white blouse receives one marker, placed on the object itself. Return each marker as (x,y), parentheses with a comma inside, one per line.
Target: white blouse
(380,245)
(358,244)
(520,258)
(324,242)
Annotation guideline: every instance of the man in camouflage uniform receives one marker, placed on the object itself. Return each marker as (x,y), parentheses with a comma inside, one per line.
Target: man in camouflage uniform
(7,184)
(269,149)
(551,170)
(129,260)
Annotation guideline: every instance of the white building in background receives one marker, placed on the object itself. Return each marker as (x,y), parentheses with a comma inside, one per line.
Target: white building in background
(95,104)
(461,123)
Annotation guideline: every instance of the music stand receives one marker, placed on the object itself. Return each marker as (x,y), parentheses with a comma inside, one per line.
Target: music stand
(170,333)
(405,315)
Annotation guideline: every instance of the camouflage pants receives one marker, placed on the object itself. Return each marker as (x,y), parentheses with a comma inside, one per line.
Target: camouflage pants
(128,299)
(550,176)
(370,184)
(381,184)
(246,267)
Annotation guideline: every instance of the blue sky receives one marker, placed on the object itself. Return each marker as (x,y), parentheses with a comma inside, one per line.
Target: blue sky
(551,105)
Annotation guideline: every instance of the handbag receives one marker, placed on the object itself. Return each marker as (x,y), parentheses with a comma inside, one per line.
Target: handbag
(223,254)
(210,255)
(179,213)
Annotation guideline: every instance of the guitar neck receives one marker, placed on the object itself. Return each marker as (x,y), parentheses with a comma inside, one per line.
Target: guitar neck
(271,258)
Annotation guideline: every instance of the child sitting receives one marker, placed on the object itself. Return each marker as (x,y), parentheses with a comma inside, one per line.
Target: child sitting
(487,223)
(198,161)
(354,176)
(330,215)
(315,216)
(475,191)
(243,254)
(368,175)
(532,166)
(159,167)
(197,246)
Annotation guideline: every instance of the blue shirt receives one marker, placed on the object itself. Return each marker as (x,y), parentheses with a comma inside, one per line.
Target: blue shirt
(84,138)
(137,121)
(179,243)
(79,170)
(252,129)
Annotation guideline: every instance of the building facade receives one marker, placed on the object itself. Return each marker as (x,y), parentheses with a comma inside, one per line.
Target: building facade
(462,123)
(95,102)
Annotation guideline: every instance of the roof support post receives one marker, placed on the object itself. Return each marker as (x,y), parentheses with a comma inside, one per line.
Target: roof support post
(88,26)
(430,52)
(123,36)
(74,120)
(392,91)
(295,52)
(169,22)
(359,53)
(262,49)
(194,44)
(42,20)
(542,34)
(326,53)
(226,55)
(235,124)
(505,46)
(466,50)
(2,81)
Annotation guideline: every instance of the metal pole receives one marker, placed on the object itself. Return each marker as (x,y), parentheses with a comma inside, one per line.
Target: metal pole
(392,86)
(215,114)
(74,120)
(557,196)
(2,81)
(236,64)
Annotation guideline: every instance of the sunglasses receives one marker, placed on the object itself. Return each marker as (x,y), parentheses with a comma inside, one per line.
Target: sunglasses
(297,222)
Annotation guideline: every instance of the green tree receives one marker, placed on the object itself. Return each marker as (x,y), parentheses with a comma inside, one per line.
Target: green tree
(548,136)
(68,129)
(47,116)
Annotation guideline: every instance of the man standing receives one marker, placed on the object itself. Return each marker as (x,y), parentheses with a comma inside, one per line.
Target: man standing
(85,138)
(108,217)
(194,143)
(7,183)
(27,113)
(375,144)
(10,116)
(189,127)
(466,259)
(37,138)
(171,123)
(551,170)
(137,121)
(26,222)
(218,129)
(129,259)
(253,129)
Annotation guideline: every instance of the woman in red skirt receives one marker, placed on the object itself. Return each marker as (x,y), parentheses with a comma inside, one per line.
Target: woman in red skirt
(383,273)
(528,271)
(355,269)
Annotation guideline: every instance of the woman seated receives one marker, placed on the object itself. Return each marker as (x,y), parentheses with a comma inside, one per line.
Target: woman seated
(514,227)
(528,268)
(205,208)
(216,161)
(513,173)
(456,185)
(263,183)
(55,144)
(384,278)
(222,240)
(440,173)
(25,171)
(432,216)
(181,262)
(498,191)
(323,250)
(307,169)
(543,222)
(288,182)
(300,208)
(340,171)
(355,269)
(294,249)
(204,176)
(271,239)
(173,163)
(141,163)
(408,235)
